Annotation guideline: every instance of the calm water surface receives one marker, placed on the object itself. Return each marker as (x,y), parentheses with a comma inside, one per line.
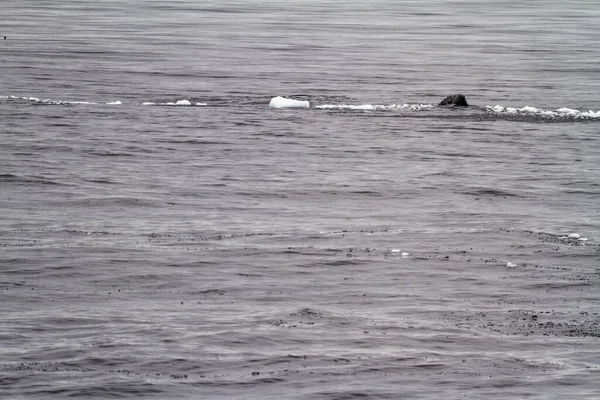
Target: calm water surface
(165,233)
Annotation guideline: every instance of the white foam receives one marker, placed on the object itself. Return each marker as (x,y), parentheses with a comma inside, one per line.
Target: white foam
(368,107)
(180,103)
(377,107)
(282,102)
(590,114)
(395,251)
(558,113)
(574,236)
(528,109)
(568,111)
(58,102)
(511,265)
(114,103)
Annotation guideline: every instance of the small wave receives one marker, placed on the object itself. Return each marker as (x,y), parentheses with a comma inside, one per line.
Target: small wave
(28,180)
(558,113)
(491,192)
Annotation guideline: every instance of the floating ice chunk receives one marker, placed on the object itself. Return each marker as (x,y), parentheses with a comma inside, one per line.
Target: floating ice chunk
(405,254)
(511,265)
(395,251)
(282,102)
(583,239)
(201,104)
(574,236)
(148,103)
(114,103)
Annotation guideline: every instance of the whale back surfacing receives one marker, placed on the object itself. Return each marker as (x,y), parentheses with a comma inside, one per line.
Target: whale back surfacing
(455,100)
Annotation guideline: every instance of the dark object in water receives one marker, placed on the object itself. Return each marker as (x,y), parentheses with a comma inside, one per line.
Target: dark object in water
(455,100)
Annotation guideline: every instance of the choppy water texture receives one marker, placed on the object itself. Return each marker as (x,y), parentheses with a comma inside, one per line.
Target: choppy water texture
(165,233)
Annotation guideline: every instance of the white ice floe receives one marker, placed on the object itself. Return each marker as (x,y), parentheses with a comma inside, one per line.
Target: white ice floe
(395,251)
(528,110)
(511,265)
(282,102)
(574,236)
(405,254)
(148,103)
(201,104)
(114,103)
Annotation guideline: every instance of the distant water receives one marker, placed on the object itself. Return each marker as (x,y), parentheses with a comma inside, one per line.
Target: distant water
(165,233)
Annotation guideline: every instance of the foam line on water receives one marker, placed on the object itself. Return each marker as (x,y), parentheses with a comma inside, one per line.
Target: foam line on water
(377,107)
(180,103)
(558,113)
(284,102)
(32,100)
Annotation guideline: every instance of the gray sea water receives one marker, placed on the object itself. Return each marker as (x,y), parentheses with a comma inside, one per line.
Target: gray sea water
(165,233)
